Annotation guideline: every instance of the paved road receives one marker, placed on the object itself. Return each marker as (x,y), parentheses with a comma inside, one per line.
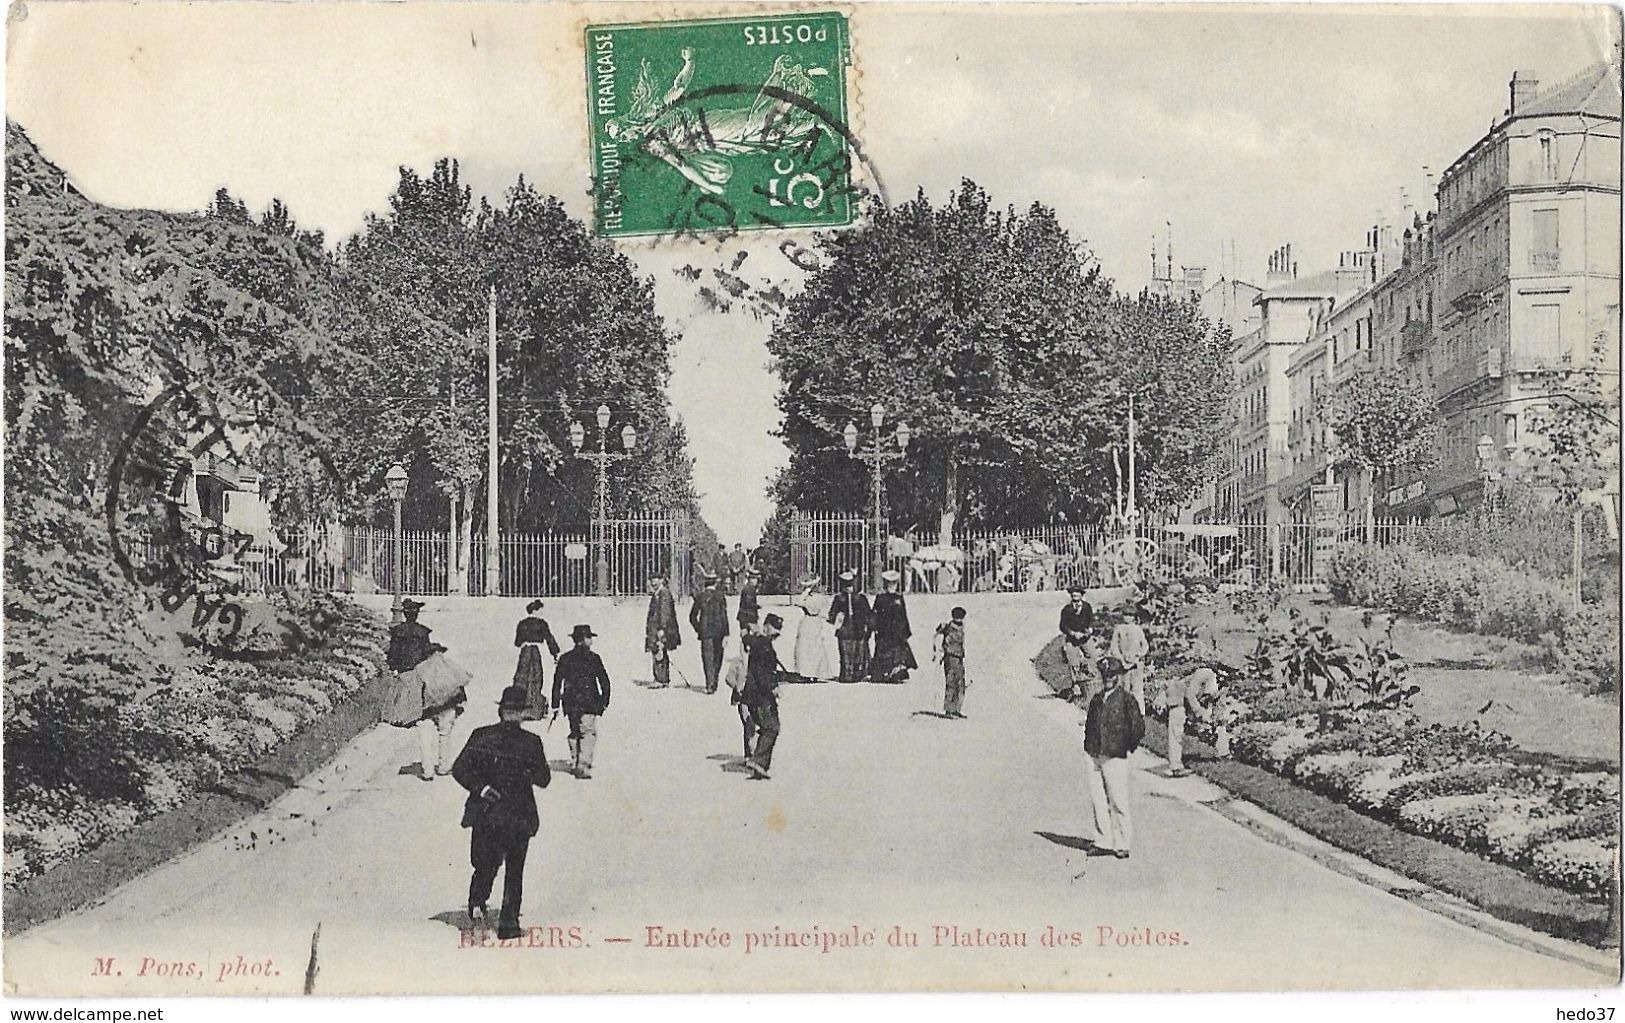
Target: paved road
(879,821)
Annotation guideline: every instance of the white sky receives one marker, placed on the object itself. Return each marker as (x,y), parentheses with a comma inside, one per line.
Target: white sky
(1237,124)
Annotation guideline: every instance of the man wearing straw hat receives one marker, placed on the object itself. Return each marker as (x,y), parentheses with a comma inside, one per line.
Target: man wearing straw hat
(501,766)
(581,690)
(1079,646)
(849,613)
(708,617)
(1113,728)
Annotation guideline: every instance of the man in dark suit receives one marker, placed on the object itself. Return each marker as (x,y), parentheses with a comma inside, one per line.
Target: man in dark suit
(500,767)
(1079,646)
(851,610)
(660,632)
(709,619)
(581,690)
(761,694)
(1112,729)
(749,609)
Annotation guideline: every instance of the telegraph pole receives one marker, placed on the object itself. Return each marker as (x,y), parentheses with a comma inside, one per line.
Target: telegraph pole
(493,567)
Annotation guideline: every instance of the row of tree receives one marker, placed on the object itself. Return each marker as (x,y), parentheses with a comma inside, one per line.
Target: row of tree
(576,328)
(996,336)
(336,364)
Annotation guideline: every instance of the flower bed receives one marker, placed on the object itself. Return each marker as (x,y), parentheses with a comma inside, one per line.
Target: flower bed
(1356,743)
(1462,786)
(95,771)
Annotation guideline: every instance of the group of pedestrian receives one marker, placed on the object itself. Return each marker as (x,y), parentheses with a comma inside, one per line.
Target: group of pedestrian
(502,764)
(856,621)
(1108,677)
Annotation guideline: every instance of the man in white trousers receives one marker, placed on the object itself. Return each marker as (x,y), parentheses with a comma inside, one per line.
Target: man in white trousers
(1112,730)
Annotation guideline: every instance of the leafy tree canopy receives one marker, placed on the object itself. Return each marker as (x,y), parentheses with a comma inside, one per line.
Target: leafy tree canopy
(1384,421)
(995,335)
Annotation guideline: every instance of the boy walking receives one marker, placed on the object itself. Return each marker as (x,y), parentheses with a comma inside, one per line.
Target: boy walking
(950,650)
(1112,730)
(760,695)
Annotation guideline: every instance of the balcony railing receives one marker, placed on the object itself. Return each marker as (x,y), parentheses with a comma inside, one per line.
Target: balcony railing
(1486,366)
(1415,338)
(1546,262)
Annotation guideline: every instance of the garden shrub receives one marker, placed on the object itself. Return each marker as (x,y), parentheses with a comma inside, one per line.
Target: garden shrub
(1481,595)
(1586,650)
(1579,864)
(96,753)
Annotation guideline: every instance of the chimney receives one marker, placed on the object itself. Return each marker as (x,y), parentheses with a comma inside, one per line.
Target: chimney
(1280,267)
(1523,88)
(1195,280)
(1350,272)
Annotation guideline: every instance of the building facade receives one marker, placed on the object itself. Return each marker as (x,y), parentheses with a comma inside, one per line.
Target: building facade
(1488,300)
(1520,277)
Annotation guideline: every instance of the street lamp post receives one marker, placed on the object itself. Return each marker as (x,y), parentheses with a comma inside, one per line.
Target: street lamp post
(395,481)
(876,456)
(603,457)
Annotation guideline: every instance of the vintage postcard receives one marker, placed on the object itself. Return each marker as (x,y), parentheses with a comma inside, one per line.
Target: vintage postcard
(511,498)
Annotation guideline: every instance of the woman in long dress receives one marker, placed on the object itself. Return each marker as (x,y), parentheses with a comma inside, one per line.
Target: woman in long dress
(813,636)
(893,658)
(530,636)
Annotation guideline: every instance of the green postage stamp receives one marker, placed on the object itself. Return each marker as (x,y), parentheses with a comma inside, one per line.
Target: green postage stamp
(720,124)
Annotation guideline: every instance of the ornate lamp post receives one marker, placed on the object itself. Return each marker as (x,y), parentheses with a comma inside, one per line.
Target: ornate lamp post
(876,455)
(603,457)
(395,480)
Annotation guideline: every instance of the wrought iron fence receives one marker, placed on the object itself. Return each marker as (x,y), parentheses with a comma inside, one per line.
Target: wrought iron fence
(362,559)
(1053,557)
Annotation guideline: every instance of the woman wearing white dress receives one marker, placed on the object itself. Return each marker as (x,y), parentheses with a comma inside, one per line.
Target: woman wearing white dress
(813,636)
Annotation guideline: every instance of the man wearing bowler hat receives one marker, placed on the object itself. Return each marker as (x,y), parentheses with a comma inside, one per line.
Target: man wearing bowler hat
(501,767)
(760,694)
(709,619)
(581,690)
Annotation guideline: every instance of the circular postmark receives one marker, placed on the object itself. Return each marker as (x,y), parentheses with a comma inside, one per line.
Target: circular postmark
(184,557)
(813,173)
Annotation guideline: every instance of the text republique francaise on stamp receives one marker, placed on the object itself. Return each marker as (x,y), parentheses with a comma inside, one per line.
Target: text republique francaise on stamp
(720,124)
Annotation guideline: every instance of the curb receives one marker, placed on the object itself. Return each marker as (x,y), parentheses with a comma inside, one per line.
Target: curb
(1243,811)
(89,879)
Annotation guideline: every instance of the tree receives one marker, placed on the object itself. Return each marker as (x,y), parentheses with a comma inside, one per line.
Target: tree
(105,310)
(1383,421)
(995,335)
(1577,449)
(576,327)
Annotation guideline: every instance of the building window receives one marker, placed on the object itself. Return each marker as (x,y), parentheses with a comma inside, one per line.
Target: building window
(1544,340)
(1543,250)
(1547,139)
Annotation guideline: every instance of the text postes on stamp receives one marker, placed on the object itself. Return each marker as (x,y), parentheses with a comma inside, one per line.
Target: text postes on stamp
(720,124)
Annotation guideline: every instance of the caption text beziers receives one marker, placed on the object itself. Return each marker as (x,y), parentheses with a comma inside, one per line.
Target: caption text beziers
(826,940)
